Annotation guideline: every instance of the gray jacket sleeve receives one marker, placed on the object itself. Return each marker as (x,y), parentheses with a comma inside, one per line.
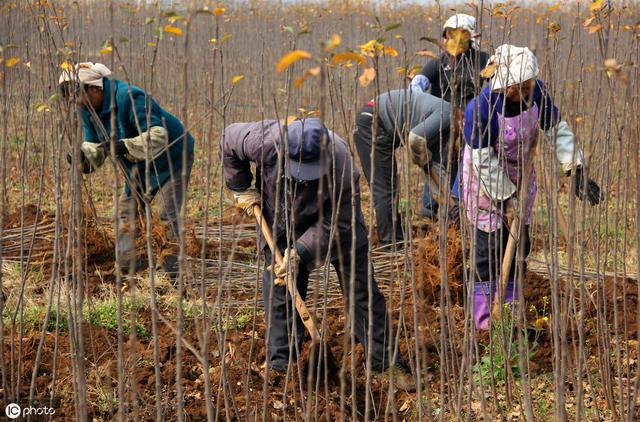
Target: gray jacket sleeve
(242,144)
(436,121)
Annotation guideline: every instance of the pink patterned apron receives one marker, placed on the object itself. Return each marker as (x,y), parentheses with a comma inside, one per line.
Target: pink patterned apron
(517,134)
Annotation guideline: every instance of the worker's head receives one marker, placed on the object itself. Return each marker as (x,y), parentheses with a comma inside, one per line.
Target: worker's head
(466,24)
(308,149)
(513,70)
(419,84)
(520,92)
(84,84)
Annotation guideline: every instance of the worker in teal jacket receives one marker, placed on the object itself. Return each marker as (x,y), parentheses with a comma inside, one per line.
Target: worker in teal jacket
(143,131)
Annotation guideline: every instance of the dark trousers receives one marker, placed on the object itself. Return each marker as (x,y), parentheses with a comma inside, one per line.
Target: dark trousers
(490,249)
(384,187)
(170,194)
(281,336)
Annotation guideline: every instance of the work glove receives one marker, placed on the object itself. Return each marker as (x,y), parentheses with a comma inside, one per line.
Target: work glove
(420,154)
(84,162)
(510,208)
(290,261)
(587,185)
(120,149)
(245,200)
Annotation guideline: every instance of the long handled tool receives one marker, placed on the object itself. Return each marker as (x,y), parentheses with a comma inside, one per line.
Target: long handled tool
(301,307)
(515,232)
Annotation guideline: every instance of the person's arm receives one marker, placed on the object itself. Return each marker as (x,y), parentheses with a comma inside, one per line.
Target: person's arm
(337,209)
(557,131)
(239,148)
(432,71)
(143,113)
(481,133)
(93,153)
(425,137)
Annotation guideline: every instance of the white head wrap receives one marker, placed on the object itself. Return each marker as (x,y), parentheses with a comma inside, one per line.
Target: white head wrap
(87,73)
(419,83)
(463,21)
(514,65)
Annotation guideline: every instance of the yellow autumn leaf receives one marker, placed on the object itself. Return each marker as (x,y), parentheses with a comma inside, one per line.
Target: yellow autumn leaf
(12,61)
(237,79)
(391,51)
(333,42)
(151,44)
(213,40)
(290,58)
(555,7)
(596,5)
(349,56)
(489,70)
(458,41)
(173,30)
(291,119)
(219,11)
(367,76)
(427,53)
(65,65)
(554,27)
(106,50)
(226,37)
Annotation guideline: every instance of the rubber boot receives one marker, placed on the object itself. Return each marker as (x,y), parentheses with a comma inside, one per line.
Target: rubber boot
(482,299)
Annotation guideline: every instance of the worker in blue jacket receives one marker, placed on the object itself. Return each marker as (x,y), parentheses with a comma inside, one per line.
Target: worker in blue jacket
(143,131)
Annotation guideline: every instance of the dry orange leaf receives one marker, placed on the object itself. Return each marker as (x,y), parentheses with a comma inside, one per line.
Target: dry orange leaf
(219,11)
(555,7)
(333,42)
(12,61)
(594,28)
(290,58)
(349,56)
(367,76)
(390,51)
(173,30)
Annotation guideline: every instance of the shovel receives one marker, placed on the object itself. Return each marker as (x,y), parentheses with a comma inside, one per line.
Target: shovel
(307,319)
(515,230)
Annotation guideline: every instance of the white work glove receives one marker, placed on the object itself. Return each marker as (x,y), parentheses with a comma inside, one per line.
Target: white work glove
(290,261)
(245,200)
(420,154)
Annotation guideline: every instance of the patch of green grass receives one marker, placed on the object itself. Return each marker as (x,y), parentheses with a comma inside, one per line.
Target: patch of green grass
(105,314)
(34,316)
(239,321)
(497,358)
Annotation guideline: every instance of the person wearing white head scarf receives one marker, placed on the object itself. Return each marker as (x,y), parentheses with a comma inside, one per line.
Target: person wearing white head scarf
(501,128)
(447,73)
(144,133)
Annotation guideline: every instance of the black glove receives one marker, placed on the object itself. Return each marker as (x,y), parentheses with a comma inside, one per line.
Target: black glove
(119,147)
(84,162)
(585,184)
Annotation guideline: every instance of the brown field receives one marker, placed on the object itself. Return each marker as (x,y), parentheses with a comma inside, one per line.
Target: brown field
(94,346)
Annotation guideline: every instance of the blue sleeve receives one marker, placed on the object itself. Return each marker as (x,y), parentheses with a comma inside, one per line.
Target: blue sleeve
(90,134)
(137,107)
(549,114)
(480,124)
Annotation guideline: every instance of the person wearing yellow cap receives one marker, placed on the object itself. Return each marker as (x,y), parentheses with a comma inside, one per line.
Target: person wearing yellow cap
(455,79)
(143,132)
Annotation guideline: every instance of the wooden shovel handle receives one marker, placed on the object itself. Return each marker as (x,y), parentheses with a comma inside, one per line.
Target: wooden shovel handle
(301,307)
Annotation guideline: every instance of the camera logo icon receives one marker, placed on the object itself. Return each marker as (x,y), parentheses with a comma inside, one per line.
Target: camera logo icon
(13,411)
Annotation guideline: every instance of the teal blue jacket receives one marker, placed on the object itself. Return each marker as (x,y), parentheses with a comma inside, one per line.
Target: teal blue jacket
(136,112)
